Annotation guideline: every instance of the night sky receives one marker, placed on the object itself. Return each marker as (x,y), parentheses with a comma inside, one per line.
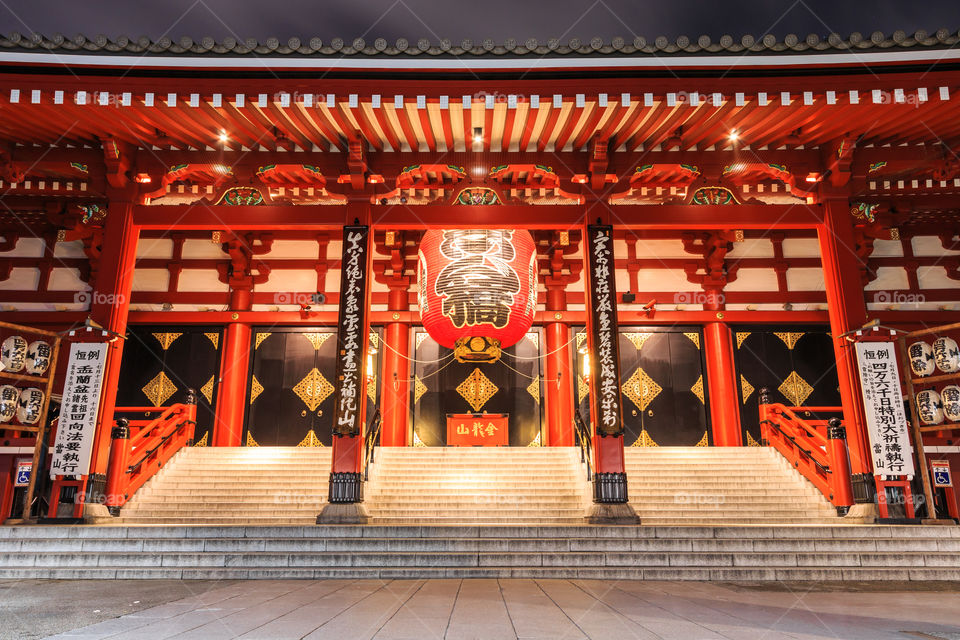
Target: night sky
(480,19)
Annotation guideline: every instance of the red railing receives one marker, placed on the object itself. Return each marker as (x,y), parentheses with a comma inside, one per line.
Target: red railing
(816,448)
(141,447)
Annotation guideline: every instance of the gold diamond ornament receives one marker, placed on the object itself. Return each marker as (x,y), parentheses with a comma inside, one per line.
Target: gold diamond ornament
(694,337)
(418,389)
(310,440)
(476,389)
(207,390)
(697,389)
(704,441)
(795,389)
(644,440)
(789,337)
(583,389)
(741,336)
(255,389)
(166,339)
(638,339)
(751,442)
(534,389)
(250,441)
(745,389)
(317,339)
(203,441)
(159,389)
(214,338)
(641,389)
(313,389)
(259,339)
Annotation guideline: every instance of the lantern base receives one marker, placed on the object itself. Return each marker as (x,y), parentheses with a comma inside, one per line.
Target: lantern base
(477,349)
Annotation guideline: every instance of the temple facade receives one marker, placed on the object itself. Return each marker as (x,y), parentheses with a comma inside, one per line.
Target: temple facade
(710,226)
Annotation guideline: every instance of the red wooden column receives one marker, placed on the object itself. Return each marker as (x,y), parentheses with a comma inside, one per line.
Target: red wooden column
(110,306)
(722,385)
(847,310)
(234,372)
(395,394)
(558,387)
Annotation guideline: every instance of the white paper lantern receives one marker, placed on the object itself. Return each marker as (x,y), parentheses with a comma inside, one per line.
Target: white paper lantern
(946,354)
(38,357)
(929,407)
(29,406)
(13,353)
(8,402)
(921,359)
(950,398)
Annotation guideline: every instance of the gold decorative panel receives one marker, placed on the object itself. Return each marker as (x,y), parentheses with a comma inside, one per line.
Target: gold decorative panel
(317,339)
(417,442)
(374,340)
(476,389)
(166,339)
(741,336)
(638,338)
(751,442)
(207,389)
(745,389)
(641,389)
(704,441)
(534,389)
(250,441)
(313,389)
(789,337)
(583,389)
(203,441)
(418,389)
(372,388)
(310,440)
(644,440)
(795,389)
(421,337)
(159,389)
(694,338)
(255,389)
(536,441)
(534,338)
(697,389)
(580,339)
(260,338)
(214,338)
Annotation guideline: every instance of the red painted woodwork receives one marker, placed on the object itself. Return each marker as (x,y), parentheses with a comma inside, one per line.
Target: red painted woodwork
(722,385)
(847,310)
(395,385)
(477,283)
(134,459)
(347,454)
(110,306)
(232,393)
(608,454)
(558,385)
(821,460)
(478,430)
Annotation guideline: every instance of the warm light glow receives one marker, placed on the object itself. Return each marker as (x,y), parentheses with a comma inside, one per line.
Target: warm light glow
(734,136)
(143,178)
(369,365)
(224,138)
(813,177)
(585,366)
(478,138)
(221,168)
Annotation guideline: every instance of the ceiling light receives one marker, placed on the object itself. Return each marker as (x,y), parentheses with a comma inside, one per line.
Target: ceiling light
(733,136)
(224,138)
(478,134)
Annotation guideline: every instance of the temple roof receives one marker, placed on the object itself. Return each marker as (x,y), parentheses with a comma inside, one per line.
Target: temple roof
(554,47)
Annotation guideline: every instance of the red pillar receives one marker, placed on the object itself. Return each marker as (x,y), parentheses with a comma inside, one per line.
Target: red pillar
(847,310)
(559,386)
(234,371)
(722,385)
(395,394)
(110,306)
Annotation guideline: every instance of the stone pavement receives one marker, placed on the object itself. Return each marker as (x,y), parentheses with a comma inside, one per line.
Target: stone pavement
(486,609)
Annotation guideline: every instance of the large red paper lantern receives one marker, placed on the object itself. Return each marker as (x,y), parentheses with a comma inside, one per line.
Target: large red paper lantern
(477,283)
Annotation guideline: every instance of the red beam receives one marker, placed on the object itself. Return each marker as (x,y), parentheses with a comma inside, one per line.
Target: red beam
(191,216)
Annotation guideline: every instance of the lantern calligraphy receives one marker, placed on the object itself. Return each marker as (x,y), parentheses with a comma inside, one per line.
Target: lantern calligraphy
(478,289)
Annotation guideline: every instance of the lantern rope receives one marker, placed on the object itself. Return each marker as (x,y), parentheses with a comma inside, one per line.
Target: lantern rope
(446,357)
(542,355)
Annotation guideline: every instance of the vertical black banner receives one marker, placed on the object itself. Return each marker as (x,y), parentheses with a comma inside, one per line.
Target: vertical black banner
(352,334)
(604,336)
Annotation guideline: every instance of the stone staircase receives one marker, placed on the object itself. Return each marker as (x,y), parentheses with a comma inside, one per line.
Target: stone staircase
(235,485)
(840,552)
(460,485)
(721,486)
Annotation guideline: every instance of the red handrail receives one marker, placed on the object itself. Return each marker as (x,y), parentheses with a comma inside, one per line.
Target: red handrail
(135,458)
(822,459)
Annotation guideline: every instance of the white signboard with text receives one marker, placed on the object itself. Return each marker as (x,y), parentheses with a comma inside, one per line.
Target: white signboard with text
(78,409)
(890,447)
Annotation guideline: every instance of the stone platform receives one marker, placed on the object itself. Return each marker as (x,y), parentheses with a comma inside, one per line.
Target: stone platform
(835,553)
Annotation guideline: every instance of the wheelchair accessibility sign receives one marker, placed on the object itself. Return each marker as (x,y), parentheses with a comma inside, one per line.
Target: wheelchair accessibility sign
(23,473)
(941,473)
